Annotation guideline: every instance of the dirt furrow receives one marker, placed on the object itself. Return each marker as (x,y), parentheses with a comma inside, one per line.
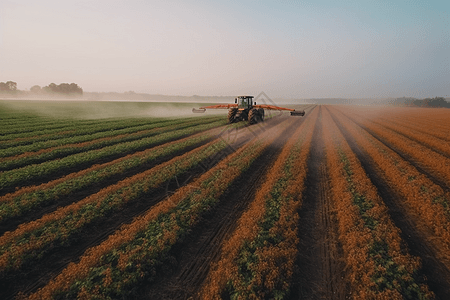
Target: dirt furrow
(38,212)
(39,273)
(422,169)
(320,268)
(414,138)
(436,274)
(332,276)
(195,255)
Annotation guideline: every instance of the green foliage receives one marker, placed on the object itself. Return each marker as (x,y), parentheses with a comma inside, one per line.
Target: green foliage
(150,248)
(427,102)
(388,274)
(63,88)
(40,171)
(8,87)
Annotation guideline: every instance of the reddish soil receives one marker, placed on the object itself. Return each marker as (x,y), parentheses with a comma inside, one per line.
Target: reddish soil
(433,271)
(37,274)
(319,272)
(422,169)
(37,213)
(79,167)
(195,255)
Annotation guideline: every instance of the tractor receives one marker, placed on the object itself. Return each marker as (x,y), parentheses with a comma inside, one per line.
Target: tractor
(245,109)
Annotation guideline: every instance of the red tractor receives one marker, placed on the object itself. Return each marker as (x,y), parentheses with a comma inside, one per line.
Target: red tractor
(245,109)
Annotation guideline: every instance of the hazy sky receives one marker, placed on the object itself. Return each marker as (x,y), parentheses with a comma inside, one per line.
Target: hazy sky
(294,49)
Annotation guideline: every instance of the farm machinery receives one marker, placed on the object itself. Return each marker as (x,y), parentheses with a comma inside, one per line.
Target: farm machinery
(244,109)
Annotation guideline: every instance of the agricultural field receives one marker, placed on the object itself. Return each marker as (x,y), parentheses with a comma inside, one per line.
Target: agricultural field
(150,201)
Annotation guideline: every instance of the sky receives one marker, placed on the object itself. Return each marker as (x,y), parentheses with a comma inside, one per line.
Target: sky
(287,49)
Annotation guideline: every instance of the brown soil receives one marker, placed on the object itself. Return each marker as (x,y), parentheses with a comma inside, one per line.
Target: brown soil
(433,272)
(420,142)
(38,273)
(38,212)
(319,270)
(196,254)
(422,169)
(81,166)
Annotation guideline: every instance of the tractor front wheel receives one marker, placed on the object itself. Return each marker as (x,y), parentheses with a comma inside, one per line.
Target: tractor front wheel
(232,114)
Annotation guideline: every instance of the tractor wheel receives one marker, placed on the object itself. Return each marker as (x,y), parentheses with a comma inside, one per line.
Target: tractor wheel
(253,116)
(261,114)
(232,114)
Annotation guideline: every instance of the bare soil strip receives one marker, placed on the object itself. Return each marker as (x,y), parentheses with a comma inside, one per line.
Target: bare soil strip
(195,255)
(39,273)
(435,273)
(320,267)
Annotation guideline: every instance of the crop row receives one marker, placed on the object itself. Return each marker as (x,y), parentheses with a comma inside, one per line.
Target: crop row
(35,128)
(419,115)
(15,125)
(428,129)
(437,164)
(72,129)
(38,124)
(435,122)
(89,136)
(426,204)
(257,261)
(378,269)
(419,133)
(29,173)
(95,141)
(427,140)
(28,198)
(31,240)
(132,255)
(12,118)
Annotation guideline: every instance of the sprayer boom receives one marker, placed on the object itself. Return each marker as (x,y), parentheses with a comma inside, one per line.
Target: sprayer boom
(245,109)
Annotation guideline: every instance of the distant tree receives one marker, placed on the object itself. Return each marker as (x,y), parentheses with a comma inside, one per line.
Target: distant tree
(8,87)
(64,88)
(418,102)
(12,85)
(53,87)
(436,102)
(74,88)
(404,101)
(35,89)
(432,102)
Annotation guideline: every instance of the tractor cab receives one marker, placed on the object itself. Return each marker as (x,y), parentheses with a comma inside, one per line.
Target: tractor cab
(244,102)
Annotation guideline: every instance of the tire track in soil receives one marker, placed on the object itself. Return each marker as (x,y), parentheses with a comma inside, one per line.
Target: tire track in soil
(319,272)
(437,275)
(36,275)
(196,254)
(422,169)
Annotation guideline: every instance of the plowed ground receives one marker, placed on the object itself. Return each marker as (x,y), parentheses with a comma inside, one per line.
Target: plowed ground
(320,271)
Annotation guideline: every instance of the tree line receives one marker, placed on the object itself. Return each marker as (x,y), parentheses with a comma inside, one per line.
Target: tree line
(8,87)
(67,89)
(427,102)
